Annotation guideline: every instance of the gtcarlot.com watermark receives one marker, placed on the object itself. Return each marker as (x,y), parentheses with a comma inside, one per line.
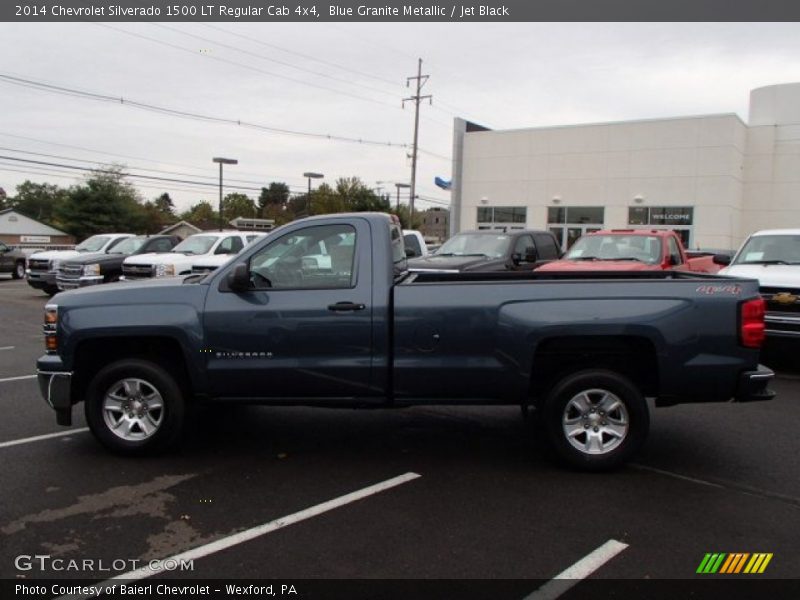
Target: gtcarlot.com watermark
(46,562)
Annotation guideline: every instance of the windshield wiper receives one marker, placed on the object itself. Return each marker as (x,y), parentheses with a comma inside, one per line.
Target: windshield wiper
(583,258)
(767,262)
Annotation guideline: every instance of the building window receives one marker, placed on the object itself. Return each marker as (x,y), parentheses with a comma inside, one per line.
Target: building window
(576,214)
(568,223)
(677,218)
(660,215)
(502,214)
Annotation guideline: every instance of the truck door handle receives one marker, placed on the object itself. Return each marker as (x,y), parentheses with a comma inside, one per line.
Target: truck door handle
(342,306)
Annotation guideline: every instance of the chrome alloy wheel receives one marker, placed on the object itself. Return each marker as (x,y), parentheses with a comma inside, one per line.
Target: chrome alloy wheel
(133,409)
(595,421)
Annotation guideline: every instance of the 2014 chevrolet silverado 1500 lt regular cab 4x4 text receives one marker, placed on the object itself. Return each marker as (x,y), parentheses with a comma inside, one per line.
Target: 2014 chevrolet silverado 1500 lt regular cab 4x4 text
(323,312)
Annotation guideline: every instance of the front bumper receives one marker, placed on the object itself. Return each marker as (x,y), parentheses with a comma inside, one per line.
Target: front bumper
(65,283)
(55,385)
(754,385)
(41,280)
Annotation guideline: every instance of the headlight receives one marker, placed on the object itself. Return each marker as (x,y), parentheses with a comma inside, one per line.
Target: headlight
(165,270)
(54,264)
(89,270)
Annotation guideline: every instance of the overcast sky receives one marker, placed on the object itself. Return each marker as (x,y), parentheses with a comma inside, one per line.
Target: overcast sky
(348,80)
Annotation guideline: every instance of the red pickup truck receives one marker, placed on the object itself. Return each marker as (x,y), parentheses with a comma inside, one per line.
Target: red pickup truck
(632,250)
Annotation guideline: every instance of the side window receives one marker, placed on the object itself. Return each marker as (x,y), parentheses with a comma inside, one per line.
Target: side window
(523,245)
(412,243)
(115,242)
(230,245)
(548,249)
(674,252)
(162,245)
(318,257)
(3,247)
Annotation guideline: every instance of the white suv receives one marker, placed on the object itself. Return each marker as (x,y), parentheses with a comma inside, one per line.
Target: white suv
(773,257)
(183,256)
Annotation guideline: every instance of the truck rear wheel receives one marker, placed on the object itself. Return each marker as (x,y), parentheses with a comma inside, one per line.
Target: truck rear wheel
(135,407)
(594,420)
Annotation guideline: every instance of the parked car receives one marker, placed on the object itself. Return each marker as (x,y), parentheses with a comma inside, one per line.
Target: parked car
(183,256)
(773,257)
(632,250)
(210,263)
(521,250)
(415,243)
(106,267)
(274,327)
(12,261)
(43,266)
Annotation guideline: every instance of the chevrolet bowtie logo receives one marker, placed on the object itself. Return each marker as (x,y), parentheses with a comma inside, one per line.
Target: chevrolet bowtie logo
(784,298)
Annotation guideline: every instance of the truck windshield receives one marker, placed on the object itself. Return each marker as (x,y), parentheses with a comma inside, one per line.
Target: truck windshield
(93,244)
(129,246)
(493,245)
(196,244)
(642,248)
(770,250)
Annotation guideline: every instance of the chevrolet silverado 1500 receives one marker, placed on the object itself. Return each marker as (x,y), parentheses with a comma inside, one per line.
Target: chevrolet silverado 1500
(281,326)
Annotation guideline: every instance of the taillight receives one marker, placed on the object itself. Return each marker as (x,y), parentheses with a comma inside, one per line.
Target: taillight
(50,326)
(752,323)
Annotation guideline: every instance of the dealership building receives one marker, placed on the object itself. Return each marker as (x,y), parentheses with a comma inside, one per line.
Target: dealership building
(713,178)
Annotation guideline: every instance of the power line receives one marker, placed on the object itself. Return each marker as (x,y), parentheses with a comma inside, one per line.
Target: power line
(142,158)
(135,175)
(275,60)
(21,81)
(61,157)
(300,54)
(242,65)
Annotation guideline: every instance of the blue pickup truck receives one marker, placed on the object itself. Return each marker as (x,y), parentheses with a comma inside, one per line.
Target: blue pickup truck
(323,312)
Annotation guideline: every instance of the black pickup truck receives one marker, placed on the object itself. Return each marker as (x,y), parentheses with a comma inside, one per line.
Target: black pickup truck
(106,267)
(324,312)
(481,250)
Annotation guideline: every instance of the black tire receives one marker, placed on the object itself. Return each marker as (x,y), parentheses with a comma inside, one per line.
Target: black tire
(170,417)
(19,270)
(600,440)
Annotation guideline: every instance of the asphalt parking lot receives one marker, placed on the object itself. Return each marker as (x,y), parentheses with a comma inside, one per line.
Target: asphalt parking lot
(474,498)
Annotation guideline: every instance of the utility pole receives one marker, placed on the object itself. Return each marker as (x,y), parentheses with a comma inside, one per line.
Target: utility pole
(417,98)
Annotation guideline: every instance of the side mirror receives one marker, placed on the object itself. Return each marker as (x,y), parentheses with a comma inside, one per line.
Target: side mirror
(410,253)
(516,258)
(222,251)
(672,261)
(530,254)
(239,278)
(721,259)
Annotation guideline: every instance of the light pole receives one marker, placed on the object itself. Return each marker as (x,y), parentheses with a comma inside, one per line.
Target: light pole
(222,161)
(398,186)
(311,175)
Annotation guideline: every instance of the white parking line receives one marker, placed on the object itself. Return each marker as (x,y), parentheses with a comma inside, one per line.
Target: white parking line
(46,436)
(258,531)
(7,347)
(20,378)
(580,570)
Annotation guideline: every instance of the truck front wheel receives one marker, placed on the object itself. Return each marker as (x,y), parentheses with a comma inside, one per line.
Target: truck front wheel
(19,270)
(594,419)
(135,407)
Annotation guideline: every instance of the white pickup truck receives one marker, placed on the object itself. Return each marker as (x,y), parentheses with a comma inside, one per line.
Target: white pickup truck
(183,256)
(43,266)
(773,257)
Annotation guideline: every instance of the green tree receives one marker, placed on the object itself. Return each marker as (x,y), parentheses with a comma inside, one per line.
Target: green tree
(38,200)
(237,205)
(277,194)
(104,203)
(201,215)
(164,204)
(357,197)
